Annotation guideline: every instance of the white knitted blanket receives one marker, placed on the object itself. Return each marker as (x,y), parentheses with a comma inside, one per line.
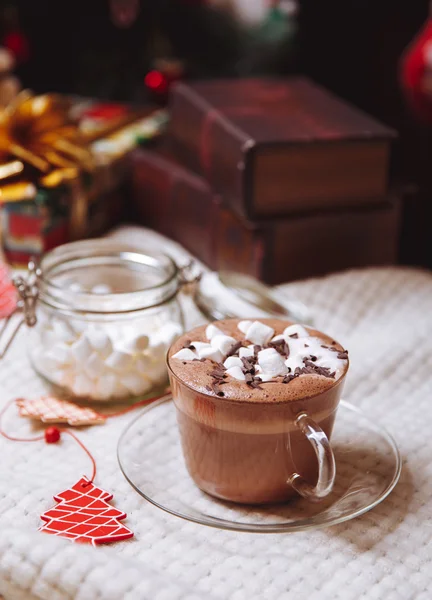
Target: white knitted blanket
(384,317)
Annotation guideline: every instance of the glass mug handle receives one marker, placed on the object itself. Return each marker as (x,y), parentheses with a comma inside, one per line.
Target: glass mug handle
(326,462)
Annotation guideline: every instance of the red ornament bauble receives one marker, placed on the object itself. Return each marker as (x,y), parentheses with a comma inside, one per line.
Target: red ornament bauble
(416,73)
(17,43)
(156,82)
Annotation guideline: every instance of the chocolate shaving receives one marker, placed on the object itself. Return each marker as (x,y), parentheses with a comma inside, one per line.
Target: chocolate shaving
(248,364)
(257,349)
(322,346)
(255,383)
(334,349)
(216,389)
(312,368)
(248,377)
(306,345)
(288,378)
(234,348)
(208,388)
(280,346)
(343,355)
(313,358)
(294,336)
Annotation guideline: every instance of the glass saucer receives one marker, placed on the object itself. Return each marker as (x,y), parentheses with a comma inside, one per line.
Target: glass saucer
(368,467)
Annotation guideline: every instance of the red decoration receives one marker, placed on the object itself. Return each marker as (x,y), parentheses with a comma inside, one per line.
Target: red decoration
(84,515)
(416,73)
(157,82)
(8,293)
(50,409)
(52,435)
(17,43)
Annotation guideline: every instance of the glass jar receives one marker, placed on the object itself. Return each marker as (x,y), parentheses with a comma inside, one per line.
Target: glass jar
(106,315)
(102,314)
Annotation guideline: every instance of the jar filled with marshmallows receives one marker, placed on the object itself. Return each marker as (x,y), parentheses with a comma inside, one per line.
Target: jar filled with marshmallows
(101,315)
(106,315)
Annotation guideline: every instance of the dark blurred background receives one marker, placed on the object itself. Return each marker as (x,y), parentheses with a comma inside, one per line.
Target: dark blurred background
(107,48)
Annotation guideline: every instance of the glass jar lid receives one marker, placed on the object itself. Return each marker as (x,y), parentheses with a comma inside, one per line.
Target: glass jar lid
(103,276)
(228,294)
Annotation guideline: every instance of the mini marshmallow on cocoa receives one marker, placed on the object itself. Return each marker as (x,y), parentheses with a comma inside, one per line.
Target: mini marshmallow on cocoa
(185,354)
(271,362)
(223,343)
(233,361)
(236,373)
(259,333)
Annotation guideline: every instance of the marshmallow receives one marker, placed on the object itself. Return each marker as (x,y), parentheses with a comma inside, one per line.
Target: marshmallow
(294,361)
(233,361)
(100,342)
(185,354)
(142,365)
(62,331)
(120,390)
(200,346)
(60,354)
(166,334)
(295,329)
(212,331)
(244,326)
(135,384)
(105,386)
(138,344)
(101,288)
(236,373)
(81,350)
(223,343)
(259,334)
(271,362)
(278,337)
(95,366)
(211,354)
(246,352)
(119,361)
(83,385)
(264,376)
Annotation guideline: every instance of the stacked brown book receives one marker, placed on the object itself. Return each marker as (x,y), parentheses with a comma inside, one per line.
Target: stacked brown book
(274,178)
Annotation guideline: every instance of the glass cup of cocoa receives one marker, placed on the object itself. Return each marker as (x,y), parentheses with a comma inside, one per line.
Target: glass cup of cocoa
(256,403)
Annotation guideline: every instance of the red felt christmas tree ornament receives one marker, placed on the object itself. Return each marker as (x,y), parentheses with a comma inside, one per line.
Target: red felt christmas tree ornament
(84,515)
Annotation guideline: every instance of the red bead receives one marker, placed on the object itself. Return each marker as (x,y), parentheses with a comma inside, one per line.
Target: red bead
(52,435)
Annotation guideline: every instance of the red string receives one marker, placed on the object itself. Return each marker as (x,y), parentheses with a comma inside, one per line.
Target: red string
(63,430)
(42,437)
(11,437)
(86,450)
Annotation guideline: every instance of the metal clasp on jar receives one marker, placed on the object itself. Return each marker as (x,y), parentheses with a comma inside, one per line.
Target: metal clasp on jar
(28,291)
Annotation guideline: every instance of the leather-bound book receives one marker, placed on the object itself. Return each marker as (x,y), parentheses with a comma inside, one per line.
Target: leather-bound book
(174,201)
(308,245)
(279,146)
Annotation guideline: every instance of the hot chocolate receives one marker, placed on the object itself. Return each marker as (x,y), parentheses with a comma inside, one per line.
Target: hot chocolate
(239,387)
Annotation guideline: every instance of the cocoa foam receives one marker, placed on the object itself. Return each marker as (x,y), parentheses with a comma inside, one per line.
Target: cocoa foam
(200,374)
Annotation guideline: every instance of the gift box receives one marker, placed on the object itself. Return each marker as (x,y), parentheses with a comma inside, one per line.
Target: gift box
(70,176)
(279,146)
(178,203)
